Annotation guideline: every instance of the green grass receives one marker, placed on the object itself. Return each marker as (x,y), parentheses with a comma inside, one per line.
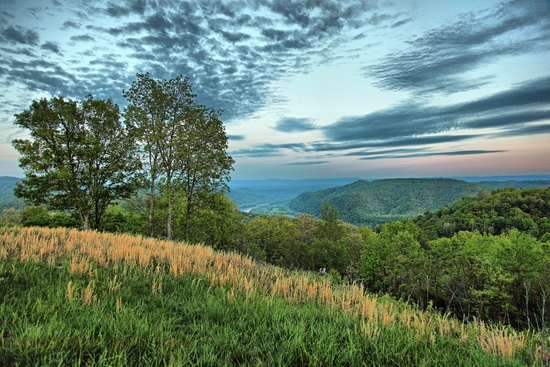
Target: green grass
(148,317)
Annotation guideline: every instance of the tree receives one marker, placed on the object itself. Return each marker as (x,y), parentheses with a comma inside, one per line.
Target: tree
(185,144)
(330,227)
(81,157)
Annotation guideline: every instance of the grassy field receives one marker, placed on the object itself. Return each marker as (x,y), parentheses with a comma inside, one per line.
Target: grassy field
(76,298)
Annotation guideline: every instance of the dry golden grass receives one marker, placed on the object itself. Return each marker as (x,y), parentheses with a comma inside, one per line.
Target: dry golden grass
(70,291)
(500,341)
(89,293)
(240,273)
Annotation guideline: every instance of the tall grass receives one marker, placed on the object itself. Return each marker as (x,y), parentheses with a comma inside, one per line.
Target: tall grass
(88,298)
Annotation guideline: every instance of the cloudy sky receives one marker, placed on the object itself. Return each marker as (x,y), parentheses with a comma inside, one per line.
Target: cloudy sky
(309,88)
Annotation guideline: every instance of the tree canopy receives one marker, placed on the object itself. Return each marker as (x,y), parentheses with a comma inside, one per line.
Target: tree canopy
(81,156)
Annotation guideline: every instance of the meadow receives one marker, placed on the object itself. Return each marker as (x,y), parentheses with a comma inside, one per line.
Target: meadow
(76,298)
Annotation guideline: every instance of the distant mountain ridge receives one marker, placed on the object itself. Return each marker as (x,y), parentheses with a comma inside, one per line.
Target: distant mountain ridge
(372,203)
(7,184)
(7,197)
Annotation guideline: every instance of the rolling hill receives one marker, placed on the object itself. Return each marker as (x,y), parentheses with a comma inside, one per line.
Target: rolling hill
(372,203)
(250,194)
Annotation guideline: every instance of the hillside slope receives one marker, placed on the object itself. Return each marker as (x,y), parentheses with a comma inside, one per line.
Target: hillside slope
(372,203)
(87,298)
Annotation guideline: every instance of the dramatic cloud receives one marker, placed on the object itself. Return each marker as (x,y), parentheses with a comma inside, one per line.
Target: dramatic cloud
(232,51)
(441,82)
(406,124)
(436,61)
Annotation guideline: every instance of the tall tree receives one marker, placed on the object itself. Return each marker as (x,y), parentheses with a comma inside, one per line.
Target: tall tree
(184,143)
(81,157)
(205,165)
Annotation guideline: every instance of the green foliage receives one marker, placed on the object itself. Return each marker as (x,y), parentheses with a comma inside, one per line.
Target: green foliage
(392,261)
(216,222)
(80,157)
(184,145)
(38,216)
(121,218)
(10,217)
(372,203)
(494,278)
(491,213)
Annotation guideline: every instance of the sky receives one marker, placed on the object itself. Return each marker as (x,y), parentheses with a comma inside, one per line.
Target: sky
(309,88)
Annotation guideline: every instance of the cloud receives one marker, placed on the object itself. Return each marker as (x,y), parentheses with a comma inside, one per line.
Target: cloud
(70,24)
(436,61)
(390,143)
(401,22)
(256,153)
(17,34)
(526,130)
(411,123)
(51,46)
(388,151)
(83,38)
(236,137)
(305,163)
(232,51)
(294,125)
(270,150)
(433,154)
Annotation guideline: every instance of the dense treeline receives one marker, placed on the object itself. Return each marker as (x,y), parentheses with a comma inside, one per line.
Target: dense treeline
(491,213)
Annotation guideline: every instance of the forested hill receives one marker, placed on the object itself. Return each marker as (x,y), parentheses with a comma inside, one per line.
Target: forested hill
(492,213)
(372,203)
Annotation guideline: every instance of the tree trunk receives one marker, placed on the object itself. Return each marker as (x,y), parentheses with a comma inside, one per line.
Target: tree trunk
(188,216)
(151,210)
(86,222)
(169,221)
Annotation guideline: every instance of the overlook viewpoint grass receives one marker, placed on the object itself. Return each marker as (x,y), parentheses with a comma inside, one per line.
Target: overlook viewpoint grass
(90,298)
